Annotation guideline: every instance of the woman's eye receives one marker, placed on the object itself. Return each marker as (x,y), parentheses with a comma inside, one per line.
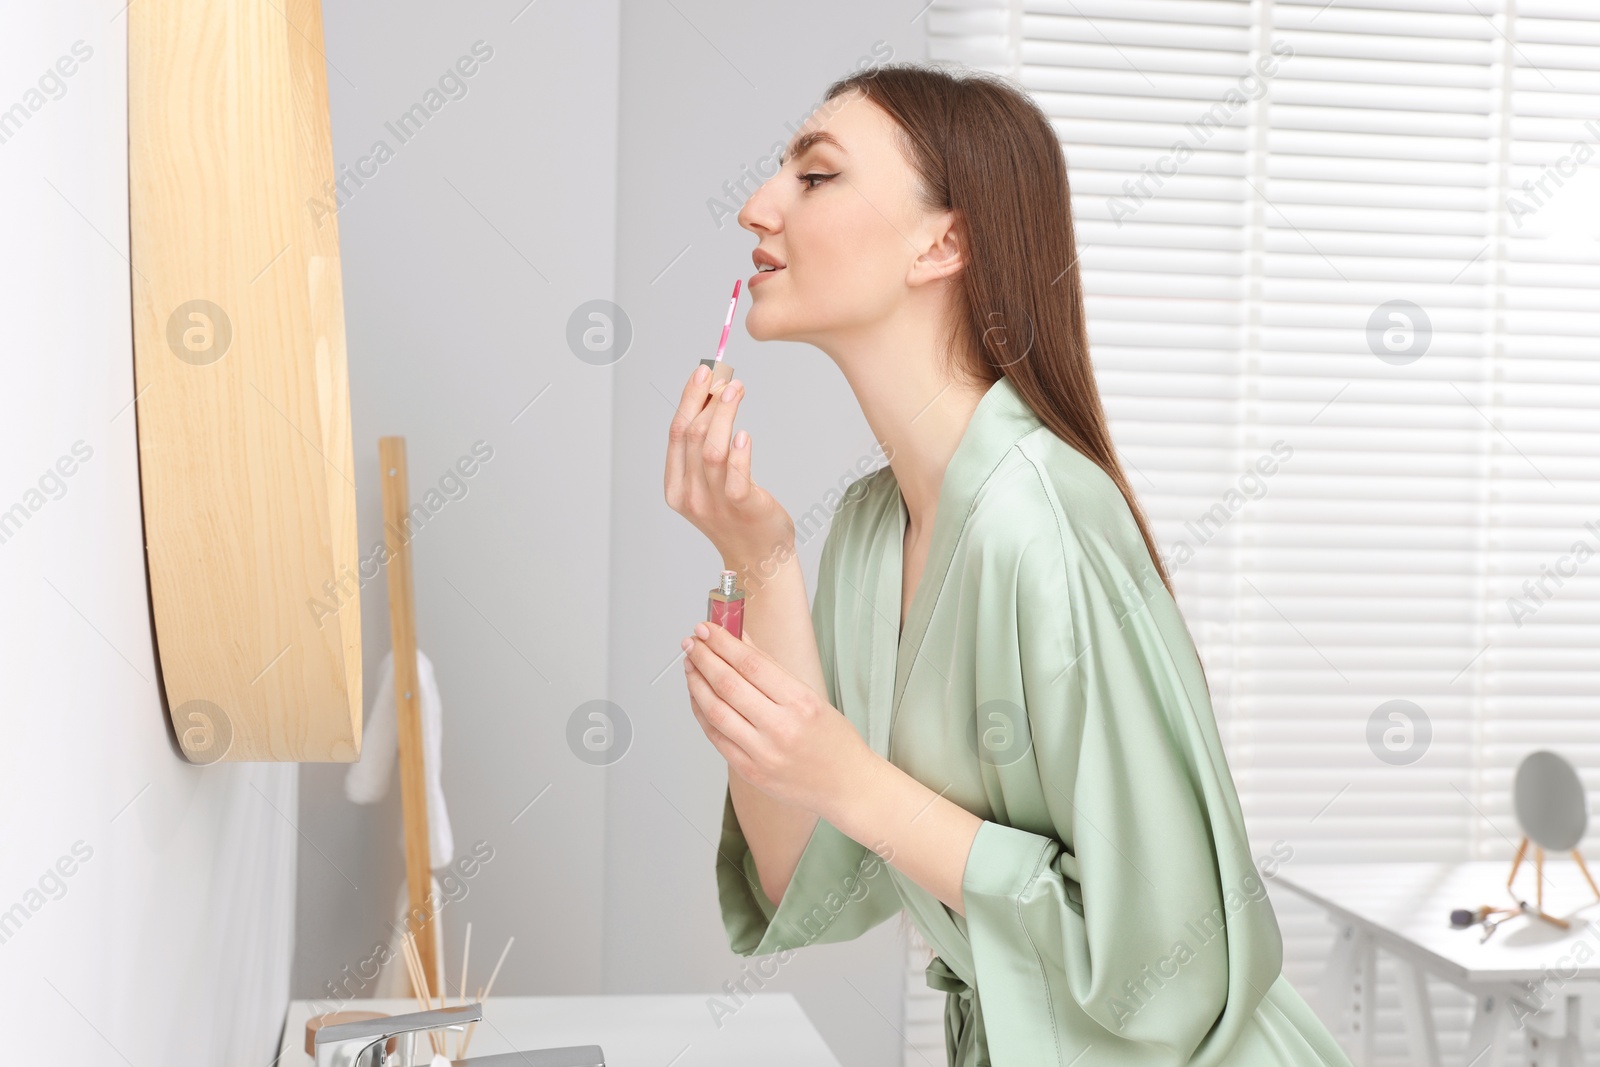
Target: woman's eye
(814,176)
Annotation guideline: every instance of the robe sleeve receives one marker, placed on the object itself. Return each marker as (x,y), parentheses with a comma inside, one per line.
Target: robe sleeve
(1112,901)
(840,888)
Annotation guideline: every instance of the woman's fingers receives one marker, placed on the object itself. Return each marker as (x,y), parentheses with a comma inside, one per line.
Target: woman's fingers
(729,751)
(690,404)
(719,431)
(738,483)
(697,472)
(700,717)
(761,674)
(727,684)
(721,717)
(707,477)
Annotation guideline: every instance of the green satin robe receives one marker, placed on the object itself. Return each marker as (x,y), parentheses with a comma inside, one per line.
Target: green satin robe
(1046,682)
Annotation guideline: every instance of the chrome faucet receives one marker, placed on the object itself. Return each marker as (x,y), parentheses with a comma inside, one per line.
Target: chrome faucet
(360,1044)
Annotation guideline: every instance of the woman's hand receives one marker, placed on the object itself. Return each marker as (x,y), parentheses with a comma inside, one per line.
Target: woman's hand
(708,482)
(775,731)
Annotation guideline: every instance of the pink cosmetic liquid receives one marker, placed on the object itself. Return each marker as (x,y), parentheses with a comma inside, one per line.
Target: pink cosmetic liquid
(725,604)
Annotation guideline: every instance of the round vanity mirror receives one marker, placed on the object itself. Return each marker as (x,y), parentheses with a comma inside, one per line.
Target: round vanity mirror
(1550,801)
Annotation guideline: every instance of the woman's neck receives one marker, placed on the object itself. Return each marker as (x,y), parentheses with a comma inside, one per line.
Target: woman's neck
(915,410)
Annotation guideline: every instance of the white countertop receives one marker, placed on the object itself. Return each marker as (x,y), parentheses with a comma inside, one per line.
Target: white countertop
(1409,905)
(646,1030)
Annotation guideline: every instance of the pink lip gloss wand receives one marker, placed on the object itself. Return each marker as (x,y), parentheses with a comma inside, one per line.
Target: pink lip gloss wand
(725,604)
(720,371)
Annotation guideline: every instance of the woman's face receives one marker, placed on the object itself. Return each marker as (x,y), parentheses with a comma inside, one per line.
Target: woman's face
(842,217)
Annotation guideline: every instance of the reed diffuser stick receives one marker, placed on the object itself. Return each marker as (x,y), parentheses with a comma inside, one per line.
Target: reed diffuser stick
(466,956)
(483,994)
(411,972)
(419,983)
(466,1038)
(496,973)
(439,968)
(411,969)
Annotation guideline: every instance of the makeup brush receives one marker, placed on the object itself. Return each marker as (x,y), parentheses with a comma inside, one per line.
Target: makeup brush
(720,371)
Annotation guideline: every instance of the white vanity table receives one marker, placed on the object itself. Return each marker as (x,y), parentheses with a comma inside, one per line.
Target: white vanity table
(1528,973)
(647,1030)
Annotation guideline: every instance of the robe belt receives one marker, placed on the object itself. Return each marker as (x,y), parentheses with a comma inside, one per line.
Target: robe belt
(941,977)
(964,1039)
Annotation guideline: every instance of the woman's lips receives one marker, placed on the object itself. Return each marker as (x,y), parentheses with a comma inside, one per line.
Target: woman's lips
(761,274)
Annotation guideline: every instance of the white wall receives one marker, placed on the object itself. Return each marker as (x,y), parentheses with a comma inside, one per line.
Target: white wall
(145,904)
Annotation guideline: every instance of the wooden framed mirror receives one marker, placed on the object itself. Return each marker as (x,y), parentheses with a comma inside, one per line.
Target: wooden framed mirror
(242,397)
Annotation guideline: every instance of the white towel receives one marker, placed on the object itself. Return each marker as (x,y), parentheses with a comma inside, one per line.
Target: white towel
(367,781)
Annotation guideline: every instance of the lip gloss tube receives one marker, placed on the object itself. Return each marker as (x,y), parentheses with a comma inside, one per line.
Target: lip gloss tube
(725,604)
(720,371)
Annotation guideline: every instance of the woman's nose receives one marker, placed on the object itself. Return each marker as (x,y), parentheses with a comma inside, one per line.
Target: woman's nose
(759,214)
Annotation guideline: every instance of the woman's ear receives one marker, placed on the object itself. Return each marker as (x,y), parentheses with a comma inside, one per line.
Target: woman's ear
(941,257)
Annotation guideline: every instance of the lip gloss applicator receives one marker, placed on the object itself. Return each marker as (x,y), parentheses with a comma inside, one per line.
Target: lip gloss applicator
(720,371)
(725,602)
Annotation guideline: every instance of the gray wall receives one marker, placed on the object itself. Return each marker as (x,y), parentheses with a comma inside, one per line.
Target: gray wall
(695,110)
(463,256)
(588,147)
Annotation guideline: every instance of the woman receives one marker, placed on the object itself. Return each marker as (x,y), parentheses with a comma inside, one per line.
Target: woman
(994,716)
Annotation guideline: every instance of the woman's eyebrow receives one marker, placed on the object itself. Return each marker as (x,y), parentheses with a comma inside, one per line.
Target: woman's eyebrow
(806,140)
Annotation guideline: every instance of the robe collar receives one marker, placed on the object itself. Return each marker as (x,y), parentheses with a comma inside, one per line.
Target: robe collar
(1001,419)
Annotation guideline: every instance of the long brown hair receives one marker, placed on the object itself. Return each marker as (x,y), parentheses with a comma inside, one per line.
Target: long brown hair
(985,150)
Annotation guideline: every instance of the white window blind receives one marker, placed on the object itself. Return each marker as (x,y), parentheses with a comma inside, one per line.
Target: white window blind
(1366,234)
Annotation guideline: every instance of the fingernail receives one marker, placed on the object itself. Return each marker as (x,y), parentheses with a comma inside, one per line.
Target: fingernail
(729,389)
(687,644)
(740,439)
(702,631)
(700,372)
